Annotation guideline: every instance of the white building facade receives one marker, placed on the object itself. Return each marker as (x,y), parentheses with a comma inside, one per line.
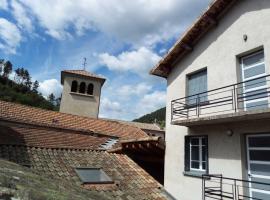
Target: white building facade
(218,116)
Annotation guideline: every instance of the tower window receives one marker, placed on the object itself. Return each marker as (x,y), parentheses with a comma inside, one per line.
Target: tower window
(74,86)
(82,88)
(90,89)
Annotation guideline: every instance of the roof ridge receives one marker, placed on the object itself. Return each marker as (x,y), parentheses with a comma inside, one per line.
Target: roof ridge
(54,148)
(15,112)
(76,131)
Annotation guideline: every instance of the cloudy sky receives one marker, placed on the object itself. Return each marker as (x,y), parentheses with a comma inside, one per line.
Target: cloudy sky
(121,39)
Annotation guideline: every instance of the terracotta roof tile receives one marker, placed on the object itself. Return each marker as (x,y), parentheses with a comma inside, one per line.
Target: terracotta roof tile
(148,126)
(82,73)
(30,115)
(130,181)
(50,138)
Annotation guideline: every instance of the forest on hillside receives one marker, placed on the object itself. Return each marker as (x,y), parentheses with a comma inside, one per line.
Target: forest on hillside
(157,116)
(21,89)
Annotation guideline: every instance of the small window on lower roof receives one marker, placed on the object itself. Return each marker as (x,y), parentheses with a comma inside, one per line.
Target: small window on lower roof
(93,175)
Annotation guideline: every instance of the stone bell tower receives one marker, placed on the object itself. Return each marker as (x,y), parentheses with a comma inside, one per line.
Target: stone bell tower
(81,93)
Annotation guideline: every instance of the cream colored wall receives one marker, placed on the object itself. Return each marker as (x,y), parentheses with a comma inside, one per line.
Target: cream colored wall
(83,105)
(217,51)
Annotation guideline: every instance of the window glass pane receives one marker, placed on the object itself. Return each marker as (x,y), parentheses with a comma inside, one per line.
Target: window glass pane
(204,153)
(254,71)
(259,155)
(204,165)
(194,141)
(255,83)
(195,164)
(257,105)
(257,94)
(251,60)
(92,175)
(197,83)
(204,141)
(260,169)
(194,153)
(259,141)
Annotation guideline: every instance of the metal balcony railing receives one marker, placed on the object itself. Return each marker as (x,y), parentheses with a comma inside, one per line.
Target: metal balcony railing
(248,95)
(223,188)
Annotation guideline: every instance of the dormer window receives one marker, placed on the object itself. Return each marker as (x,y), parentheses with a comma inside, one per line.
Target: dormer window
(90,89)
(82,88)
(74,86)
(93,175)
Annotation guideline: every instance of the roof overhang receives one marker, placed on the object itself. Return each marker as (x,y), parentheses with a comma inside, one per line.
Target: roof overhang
(191,37)
(64,73)
(154,146)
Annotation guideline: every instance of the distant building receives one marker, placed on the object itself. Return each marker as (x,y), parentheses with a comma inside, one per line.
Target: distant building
(81,93)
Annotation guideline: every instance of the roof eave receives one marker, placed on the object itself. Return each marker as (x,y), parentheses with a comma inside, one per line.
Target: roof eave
(184,45)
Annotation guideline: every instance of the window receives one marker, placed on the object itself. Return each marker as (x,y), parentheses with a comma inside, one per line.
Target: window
(196,153)
(90,89)
(197,83)
(82,88)
(255,92)
(93,175)
(74,86)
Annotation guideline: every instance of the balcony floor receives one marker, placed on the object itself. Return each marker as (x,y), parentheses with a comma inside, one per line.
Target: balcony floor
(224,118)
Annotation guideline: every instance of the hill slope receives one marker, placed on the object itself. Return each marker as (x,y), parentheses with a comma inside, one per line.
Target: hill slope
(157,116)
(19,93)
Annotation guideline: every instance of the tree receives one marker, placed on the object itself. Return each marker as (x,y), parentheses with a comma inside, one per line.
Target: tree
(7,69)
(28,83)
(58,101)
(35,87)
(2,61)
(51,98)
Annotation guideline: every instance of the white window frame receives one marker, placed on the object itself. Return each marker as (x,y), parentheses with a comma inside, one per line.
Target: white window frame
(200,154)
(253,77)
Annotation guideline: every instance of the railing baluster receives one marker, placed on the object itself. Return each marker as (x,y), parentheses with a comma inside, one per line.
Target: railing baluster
(222,100)
(228,188)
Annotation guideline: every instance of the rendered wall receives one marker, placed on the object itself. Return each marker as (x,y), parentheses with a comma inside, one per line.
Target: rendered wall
(219,51)
(78,104)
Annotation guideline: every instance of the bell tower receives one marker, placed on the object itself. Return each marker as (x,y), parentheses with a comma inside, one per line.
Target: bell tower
(81,93)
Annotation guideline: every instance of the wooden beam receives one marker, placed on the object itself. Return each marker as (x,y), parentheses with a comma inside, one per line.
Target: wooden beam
(186,46)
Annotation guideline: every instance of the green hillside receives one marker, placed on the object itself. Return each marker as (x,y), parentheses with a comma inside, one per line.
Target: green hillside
(157,116)
(21,89)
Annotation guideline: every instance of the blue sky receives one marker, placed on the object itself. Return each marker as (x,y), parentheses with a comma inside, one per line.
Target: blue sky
(121,39)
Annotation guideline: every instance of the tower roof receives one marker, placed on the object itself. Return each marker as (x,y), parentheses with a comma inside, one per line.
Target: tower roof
(82,73)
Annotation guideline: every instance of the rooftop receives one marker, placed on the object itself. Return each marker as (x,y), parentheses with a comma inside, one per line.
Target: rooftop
(82,73)
(129,180)
(192,36)
(146,126)
(39,117)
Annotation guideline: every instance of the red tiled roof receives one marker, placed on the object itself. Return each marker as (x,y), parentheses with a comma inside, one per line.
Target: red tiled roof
(35,116)
(48,137)
(130,181)
(186,43)
(82,73)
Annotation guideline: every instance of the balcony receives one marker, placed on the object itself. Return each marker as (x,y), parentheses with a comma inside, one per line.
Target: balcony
(242,101)
(219,187)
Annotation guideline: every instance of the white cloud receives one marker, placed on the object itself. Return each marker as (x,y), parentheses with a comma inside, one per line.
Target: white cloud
(20,15)
(3,5)
(138,61)
(143,22)
(110,109)
(10,36)
(50,86)
(151,102)
(131,90)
